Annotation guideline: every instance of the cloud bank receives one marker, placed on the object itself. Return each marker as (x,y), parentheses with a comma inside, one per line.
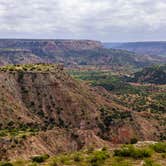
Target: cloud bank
(106,20)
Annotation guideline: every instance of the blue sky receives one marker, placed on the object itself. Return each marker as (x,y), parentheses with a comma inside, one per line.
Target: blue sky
(104,20)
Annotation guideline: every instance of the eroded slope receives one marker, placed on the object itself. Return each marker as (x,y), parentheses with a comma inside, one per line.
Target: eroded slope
(44,110)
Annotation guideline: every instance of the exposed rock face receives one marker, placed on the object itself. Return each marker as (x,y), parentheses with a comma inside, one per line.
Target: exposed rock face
(69,52)
(18,56)
(20,51)
(63,114)
(50,44)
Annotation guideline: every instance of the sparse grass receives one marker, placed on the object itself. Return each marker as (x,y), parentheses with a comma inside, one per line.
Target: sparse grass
(18,132)
(20,163)
(120,163)
(32,164)
(41,67)
(128,155)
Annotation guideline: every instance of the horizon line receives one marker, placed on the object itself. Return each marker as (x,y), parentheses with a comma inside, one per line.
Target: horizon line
(137,41)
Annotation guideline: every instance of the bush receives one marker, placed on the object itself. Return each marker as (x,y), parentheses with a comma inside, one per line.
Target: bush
(98,157)
(133,140)
(131,151)
(23,136)
(40,159)
(6,164)
(159,147)
(53,163)
(3,133)
(150,163)
(90,149)
(163,155)
(65,159)
(77,158)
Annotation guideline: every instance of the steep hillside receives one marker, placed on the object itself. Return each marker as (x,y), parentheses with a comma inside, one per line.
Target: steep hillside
(45,111)
(71,53)
(154,74)
(17,56)
(149,48)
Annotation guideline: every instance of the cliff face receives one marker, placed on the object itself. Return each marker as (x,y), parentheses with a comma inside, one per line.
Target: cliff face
(19,51)
(69,52)
(17,56)
(47,111)
(50,44)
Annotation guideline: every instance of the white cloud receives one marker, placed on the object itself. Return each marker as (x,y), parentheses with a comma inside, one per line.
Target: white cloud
(102,20)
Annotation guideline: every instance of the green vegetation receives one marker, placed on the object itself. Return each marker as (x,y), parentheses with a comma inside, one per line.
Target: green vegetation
(97,158)
(133,140)
(41,67)
(146,98)
(106,79)
(18,132)
(40,159)
(5,164)
(149,162)
(131,151)
(159,147)
(139,97)
(154,74)
(127,155)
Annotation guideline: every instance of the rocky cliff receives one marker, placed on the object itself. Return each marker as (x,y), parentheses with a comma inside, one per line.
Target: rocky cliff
(69,52)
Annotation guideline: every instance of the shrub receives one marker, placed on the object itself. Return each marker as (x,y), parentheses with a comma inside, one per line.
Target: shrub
(90,149)
(3,133)
(65,160)
(6,164)
(131,151)
(159,147)
(23,136)
(163,155)
(77,157)
(133,140)
(98,157)
(40,159)
(53,163)
(20,76)
(104,148)
(149,162)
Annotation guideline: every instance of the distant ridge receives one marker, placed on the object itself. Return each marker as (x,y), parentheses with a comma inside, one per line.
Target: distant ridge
(147,47)
(72,53)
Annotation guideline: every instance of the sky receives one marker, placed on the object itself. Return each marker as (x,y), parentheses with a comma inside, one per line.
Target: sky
(104,20)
